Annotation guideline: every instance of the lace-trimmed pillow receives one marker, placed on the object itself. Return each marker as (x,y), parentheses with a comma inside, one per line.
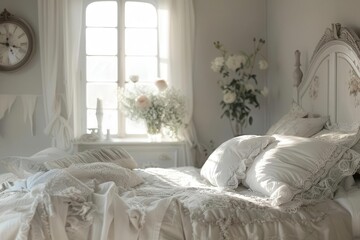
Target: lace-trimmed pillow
(345,137)
(300,170)
(115,155)
(228,163)
(302,127)
(295,112)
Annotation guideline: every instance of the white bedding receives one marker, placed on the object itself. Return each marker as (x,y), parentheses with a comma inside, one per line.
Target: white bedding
(171,204)
(349,199)
(104,200)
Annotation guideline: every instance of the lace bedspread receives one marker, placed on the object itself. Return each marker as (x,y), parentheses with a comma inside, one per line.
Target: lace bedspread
(57,205)
(216,213)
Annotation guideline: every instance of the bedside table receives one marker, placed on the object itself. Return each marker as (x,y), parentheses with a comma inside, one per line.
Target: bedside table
(145,153)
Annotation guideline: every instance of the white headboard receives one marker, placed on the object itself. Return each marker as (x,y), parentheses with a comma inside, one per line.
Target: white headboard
(331,85)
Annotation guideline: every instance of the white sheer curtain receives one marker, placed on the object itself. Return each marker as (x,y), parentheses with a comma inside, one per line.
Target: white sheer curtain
(59,44)
(177,20)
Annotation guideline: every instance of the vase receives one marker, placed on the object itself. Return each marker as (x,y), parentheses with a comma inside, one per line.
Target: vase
(154,131)
(238,129)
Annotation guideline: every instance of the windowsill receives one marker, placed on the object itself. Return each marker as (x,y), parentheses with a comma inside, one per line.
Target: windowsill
(130,141)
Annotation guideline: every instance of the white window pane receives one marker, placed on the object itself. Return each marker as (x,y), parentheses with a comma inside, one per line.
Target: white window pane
(101,14)
(101,69)
(110,120)
(91,119)
(101,41)
(134,127)
(144,67)
(141,42)
(107,92)
(140,14)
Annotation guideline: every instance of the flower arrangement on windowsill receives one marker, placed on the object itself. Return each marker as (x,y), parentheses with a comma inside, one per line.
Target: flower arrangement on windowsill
(239,84)
(160,107)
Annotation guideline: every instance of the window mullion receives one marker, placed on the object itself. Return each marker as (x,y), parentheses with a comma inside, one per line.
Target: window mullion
(121,60)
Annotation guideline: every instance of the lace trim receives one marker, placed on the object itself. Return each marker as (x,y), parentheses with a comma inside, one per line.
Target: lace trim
(327,184)
(209,206)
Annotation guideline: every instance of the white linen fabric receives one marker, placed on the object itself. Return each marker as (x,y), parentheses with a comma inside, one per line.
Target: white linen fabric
(302,127)
(29,104)
(23,167)
(115,155)
(6,101)
(227,165)
(295,112)
(300,170)
(101,172)
(356,147)
(59,36)
(177,21)
(349,199)
(57,205)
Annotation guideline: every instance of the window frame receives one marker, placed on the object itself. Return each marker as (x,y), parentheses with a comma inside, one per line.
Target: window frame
(120,63)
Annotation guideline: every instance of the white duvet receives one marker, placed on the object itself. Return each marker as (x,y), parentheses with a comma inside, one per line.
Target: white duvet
(101,201)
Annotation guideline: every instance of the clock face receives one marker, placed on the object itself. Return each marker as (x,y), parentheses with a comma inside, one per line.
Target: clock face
(15,45)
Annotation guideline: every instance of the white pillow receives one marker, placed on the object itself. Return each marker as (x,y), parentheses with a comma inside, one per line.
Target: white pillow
(115,155)
(302,127)
(228,163)
(295,112)
(101,172)
(300,169)
(356,147)
(344,137)
(23,167)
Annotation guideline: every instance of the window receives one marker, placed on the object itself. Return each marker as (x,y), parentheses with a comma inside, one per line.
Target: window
(121,39)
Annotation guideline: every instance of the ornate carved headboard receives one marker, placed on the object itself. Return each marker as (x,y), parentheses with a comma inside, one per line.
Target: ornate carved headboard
(331,85)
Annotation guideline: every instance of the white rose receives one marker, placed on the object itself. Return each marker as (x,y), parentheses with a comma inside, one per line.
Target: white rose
(265,91)
(263,64)
(134,78)
(142,102)
(217,63)
(161,85)
(235,61)
(249,86)
(229,97)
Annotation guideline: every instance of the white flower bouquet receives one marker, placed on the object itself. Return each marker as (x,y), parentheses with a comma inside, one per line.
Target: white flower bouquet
(160,106)
(239,84)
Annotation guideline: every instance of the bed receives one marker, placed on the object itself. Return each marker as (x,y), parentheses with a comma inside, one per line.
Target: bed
(295,182)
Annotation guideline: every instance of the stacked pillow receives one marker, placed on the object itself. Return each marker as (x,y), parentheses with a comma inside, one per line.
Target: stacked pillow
(298,123)
(53,158)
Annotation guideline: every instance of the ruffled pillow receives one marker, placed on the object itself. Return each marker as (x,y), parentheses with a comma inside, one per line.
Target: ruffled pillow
(23,167)
(295,112)
(337,135)
(300,170)
(101,172)
(227,165)
(115,155)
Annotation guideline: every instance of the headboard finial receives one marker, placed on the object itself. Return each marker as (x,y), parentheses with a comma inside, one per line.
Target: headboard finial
(336,27)
(298,74)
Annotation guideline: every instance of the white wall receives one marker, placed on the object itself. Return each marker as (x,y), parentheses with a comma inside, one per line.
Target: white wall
(235,23)
(286,25)
(15,134)
(299,25)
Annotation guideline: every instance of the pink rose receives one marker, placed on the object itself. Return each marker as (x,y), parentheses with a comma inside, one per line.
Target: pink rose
(142,102)
(161,85)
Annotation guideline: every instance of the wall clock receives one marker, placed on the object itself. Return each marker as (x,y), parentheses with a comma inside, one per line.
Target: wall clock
(16,42)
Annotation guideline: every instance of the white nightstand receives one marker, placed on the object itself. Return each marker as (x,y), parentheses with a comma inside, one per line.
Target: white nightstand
(147,154)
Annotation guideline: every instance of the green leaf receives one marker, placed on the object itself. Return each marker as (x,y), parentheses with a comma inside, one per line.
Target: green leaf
(250,120)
